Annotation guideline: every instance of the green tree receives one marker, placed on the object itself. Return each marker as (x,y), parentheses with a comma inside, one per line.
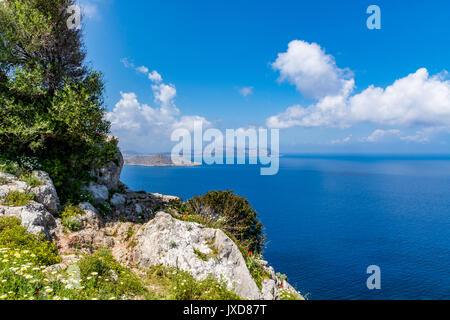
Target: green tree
(51,104)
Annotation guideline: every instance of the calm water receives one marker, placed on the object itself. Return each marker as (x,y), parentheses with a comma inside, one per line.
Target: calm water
(327,219)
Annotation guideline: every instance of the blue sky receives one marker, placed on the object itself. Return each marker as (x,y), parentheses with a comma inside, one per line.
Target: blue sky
(228,64)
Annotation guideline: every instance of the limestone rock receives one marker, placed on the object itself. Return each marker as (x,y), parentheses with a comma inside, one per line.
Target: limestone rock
(91,216)
(12,184)
(117,200)
(269,290)
(99,192)
(35,218)
(174,243)
(109,175)
(46,193)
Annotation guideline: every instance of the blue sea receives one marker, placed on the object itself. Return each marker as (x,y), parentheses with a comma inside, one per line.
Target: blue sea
(328,218)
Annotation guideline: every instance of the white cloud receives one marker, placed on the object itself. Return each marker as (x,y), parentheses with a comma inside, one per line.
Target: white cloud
(139,125)
(417,99)
(246,91)
(425,135)
(380,134)
(165,95)
(313,72)
(142,69)
(187,122)
(342,141)
(155,76)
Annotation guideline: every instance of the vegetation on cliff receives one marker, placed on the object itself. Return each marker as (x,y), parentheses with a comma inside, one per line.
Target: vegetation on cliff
(231,213)
(51,103)
(28,272)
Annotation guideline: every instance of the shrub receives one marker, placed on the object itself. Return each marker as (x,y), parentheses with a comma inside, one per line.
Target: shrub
(3,181)
(180,285)
(22,279)
(256,269)
(231,213)
(9,223)
(288,295)
(18,164)
(282,277)
(31,180)
(71,211)
(108,278)
(16,198)
(8,166)
(72,223)
(86,196)
(69,217)
(104,208)
(14,236)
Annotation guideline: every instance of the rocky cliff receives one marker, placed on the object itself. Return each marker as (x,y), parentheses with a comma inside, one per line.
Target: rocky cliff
(141,229)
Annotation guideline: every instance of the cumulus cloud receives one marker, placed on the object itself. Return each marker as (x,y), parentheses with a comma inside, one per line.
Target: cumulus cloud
(154,76)
(311,70)
(139,125)
(417,99)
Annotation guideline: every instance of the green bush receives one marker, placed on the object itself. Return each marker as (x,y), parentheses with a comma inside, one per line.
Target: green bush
(256,270)
(69,217)
(86,196)
(71,211)
(3,181)
(16,198)
(180,285)
(8,166)
(288,295)
(231,213)
(104,208)
(31,180)
(72,223)
(25,280)
(9,223)
(101,266)
(14,236)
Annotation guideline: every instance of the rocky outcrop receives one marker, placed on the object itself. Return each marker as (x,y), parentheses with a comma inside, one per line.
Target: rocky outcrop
(139,231)
(99,192)
(35,215)
(139,206)
(46,192)
(109,175)
(201,251)
(12,183)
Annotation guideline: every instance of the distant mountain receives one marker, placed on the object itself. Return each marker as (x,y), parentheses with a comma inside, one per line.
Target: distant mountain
(158,160)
